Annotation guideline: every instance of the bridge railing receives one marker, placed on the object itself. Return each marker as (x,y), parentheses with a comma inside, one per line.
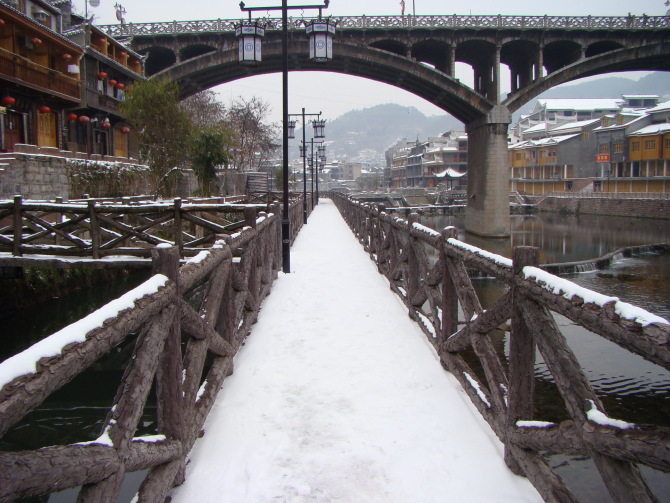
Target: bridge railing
(207,307)
(97,229)
(454,21)
(429,270)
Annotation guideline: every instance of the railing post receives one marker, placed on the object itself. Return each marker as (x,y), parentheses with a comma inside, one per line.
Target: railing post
(449,321)
(170,409)
(18,226)
(413,262)
(250,217)
(96,237)
(521,355)
(178,234)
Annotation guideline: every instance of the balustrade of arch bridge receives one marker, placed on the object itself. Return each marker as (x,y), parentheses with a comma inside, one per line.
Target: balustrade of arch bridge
(419,54)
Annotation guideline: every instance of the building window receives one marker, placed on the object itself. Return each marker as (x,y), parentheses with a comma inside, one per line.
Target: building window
(635,146)
(586,135)
(649,144)
(666,143)
(617,148)
(604,148)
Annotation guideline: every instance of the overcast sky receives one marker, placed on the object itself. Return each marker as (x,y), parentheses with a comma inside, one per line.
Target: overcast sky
(336,94)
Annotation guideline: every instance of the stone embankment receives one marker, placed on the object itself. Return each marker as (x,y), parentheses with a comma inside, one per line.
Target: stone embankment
(630,206)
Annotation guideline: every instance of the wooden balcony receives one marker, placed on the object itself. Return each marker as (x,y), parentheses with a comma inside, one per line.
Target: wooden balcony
(21,70)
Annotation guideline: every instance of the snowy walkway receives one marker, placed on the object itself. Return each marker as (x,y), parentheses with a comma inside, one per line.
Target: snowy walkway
(338,397)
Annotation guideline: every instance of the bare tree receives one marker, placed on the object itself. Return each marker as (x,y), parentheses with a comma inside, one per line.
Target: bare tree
(254,139)
(204,109)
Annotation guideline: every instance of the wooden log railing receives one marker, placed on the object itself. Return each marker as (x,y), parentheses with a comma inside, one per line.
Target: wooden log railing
(95,229)
(438,292)
(232,277)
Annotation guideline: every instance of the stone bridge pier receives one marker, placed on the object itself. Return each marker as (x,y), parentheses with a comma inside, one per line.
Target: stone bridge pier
(488,175)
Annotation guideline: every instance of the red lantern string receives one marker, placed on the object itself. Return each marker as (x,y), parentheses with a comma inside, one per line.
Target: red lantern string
(102,75)
(112,82)
(84,119)
(8,101)
(44,109)
(72,117)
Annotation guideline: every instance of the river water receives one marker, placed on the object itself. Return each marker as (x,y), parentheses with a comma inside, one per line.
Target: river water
(631,388)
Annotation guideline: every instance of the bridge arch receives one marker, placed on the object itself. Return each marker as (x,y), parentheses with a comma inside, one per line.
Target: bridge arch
(390,45)
(195,50)
(650,57)
(214,68)
(561,53)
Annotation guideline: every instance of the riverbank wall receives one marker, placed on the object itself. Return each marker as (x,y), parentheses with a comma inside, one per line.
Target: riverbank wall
(616,207)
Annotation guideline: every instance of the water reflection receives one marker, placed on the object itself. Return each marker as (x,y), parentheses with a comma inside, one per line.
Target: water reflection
(564,238)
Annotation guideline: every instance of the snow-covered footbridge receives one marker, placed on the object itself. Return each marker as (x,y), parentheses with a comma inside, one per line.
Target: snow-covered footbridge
(337,394)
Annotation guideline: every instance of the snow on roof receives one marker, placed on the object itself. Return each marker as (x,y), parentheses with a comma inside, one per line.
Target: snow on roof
(543,142)
(653,129)
(661,107)
(575,125)
(580,104)
(542,126)
(451,173)
(640,96)
(619,126)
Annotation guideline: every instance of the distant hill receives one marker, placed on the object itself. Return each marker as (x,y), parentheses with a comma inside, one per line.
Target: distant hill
(366,134)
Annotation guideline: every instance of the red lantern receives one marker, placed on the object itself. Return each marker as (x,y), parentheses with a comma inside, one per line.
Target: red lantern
(125,130)
(120,86)
(44,109)
(66,56)
(102,75)
(123,54)
(105,125)
(8,101)
(84,119)
(112,82)
(2,22)
(102,40)
(36,41)
(72,117)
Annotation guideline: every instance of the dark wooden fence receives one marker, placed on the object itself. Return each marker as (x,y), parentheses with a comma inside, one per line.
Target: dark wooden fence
(429,270)
(98,229)
(235,273)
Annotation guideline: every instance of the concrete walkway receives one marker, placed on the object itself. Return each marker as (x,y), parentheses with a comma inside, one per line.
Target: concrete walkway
(338,397)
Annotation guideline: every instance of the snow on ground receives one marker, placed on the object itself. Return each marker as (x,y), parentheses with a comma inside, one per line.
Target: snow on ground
(338,397)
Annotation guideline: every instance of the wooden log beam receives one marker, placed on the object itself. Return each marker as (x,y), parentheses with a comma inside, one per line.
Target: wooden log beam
(651,342)
(486,321)
(28,391)
(198,328)
(623,479)
(30,473)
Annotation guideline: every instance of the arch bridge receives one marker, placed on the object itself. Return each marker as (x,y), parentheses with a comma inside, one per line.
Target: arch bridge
(419,54)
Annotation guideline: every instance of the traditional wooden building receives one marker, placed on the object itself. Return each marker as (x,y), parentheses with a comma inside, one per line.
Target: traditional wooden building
(39,75)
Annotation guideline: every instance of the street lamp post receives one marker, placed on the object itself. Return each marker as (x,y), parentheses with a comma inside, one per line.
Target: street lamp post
(286,222)
(312,160)
(304,166)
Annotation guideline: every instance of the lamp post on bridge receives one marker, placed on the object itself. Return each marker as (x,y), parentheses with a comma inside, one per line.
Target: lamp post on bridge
(317,128)
(320,50)
(312,161)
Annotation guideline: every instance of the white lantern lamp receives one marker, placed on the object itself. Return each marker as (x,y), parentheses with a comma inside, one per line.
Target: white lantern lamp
(249,35)
(319,128)
(320,33)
